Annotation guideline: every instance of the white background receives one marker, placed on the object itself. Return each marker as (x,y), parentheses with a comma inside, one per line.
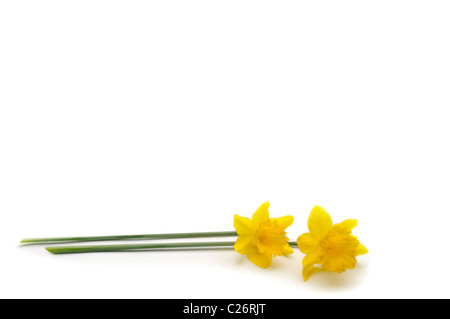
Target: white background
(130,117)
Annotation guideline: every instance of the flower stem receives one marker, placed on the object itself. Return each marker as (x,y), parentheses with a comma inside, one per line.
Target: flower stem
(138,247)
(126,237)
(133,247)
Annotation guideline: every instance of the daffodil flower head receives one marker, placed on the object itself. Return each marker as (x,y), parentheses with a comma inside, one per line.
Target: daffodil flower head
(261,238)
(328,247)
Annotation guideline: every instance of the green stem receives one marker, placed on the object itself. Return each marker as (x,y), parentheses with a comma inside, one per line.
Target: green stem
(126,237)
(133,247)
(138,247)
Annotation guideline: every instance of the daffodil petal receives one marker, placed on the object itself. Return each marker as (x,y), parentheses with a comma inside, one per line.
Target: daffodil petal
(242,243)
(285,221)
(262,260)
(361,250)
(243,225)
(261,214)
(319,221)
(307,243)
(308,263)
(287,250)
(349,224)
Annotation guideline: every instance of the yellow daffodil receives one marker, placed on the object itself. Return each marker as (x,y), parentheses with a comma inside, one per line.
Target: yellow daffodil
(328,247)
(262,237)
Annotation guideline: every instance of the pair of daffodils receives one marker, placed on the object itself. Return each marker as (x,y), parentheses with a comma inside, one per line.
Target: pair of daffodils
(326,247)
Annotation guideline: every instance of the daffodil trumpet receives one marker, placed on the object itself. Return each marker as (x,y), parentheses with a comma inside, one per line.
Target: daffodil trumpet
(55,240)
(139,247)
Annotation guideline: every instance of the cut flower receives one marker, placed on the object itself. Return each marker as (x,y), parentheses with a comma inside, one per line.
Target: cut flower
(328,247)
(262,237)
